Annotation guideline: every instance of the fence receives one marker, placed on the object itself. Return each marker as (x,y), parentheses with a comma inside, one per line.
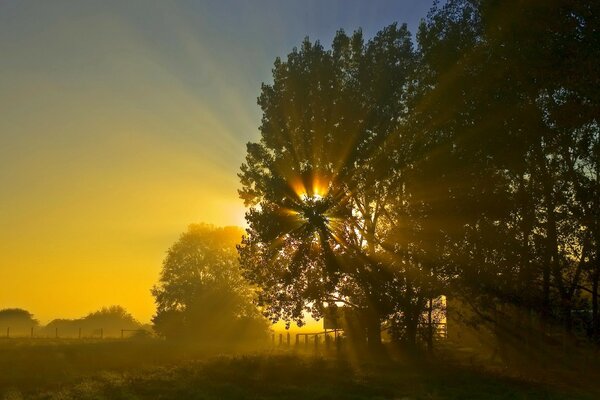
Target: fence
(315,339)
(56,333)
(327,338)
(439,330)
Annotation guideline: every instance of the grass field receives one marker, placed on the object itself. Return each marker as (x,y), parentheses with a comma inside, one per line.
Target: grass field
(155,370)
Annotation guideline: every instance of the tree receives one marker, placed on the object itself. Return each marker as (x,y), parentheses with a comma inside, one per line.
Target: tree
(321,182)
(201,294)
(111,320)
(19,321)
(106,322)
(385,177)
(509,107)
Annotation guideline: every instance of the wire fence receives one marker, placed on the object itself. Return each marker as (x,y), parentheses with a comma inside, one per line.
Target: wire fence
(69,333)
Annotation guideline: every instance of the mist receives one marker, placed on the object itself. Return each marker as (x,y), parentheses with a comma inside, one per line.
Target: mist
(300,200)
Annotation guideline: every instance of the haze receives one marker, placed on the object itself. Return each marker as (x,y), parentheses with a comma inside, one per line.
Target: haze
(123,123)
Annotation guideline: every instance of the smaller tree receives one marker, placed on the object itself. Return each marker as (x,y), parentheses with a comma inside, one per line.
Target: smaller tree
(111,320)
(19,321)
(201,294)
(106,322)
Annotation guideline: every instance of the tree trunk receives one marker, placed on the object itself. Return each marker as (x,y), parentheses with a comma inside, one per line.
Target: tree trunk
(373,326)
(546,292)
(411,330)
(568,319)
(430,327)
(595,316)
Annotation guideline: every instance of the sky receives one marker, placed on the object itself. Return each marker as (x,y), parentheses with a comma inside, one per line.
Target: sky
(121,122)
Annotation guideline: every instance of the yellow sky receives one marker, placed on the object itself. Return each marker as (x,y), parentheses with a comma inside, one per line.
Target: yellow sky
(89,226)
(105,161)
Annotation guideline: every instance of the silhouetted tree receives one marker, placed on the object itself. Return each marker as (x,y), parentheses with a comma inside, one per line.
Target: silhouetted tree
(111,320)
(385,177)
(201,294)
(324,183)
(106,322)
(508,104)
(19,321)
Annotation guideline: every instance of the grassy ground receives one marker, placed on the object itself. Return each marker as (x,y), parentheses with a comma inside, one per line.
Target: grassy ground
(155,370)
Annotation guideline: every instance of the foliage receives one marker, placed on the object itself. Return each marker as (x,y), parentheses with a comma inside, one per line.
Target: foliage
(19,321)
(110,314)
(509,109)
(321,183)
(201,293)
(386,176)
(106,322)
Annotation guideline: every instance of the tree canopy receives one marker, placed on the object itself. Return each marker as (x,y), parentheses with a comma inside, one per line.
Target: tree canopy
(201,294)
(388,174)
(18,320)
(316,181)
(105,322)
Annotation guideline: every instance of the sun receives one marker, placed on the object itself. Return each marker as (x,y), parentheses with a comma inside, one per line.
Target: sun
(314,197)
(316,189)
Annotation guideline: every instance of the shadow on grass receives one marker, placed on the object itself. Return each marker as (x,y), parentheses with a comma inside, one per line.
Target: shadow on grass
(129,370)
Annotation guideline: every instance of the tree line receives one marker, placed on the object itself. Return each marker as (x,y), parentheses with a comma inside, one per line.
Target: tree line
(464,162)
(106,322)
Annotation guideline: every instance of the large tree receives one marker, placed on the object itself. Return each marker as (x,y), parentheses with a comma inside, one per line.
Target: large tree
(385,176)
(324,179)
(509,109)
